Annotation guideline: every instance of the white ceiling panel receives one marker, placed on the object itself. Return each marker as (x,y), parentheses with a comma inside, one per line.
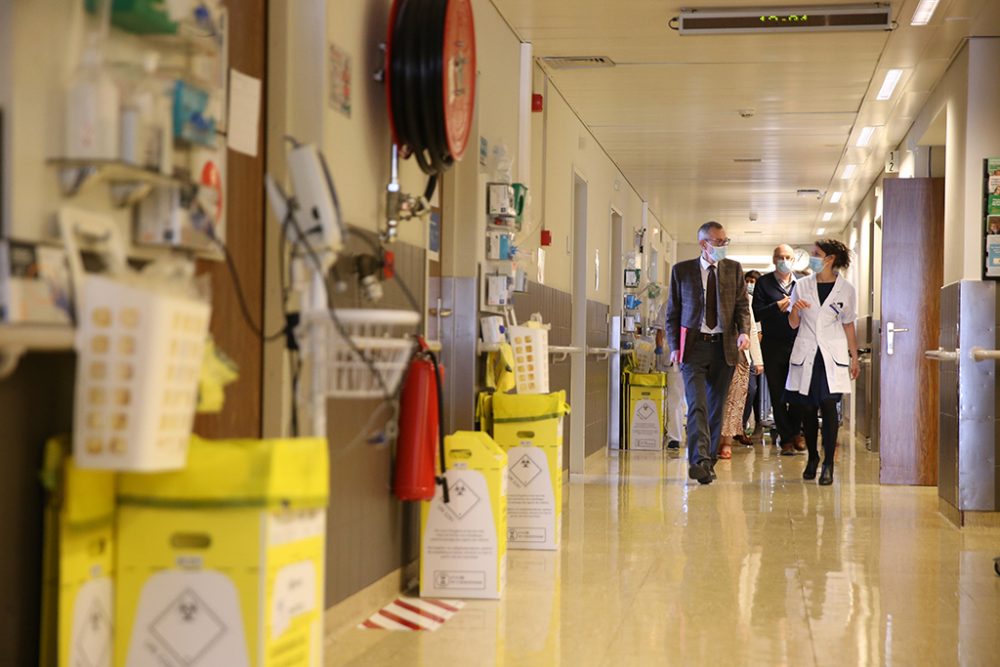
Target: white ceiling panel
(669,115)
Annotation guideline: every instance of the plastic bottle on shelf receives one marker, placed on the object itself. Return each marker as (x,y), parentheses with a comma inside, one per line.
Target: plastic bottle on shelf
(147,120)
(92,108)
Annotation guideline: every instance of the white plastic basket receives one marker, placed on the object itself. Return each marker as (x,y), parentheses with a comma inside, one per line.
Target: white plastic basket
(645,356)
(531,359)
(384,337)
(139,356)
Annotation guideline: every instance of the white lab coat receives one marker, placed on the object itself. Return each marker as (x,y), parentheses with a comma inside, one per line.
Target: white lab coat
(822,326)
(754,355)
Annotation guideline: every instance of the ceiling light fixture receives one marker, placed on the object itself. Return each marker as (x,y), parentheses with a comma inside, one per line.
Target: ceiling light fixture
(828,216)
(821,231)
(865,137)
(849,171)
(889,84)
(836,197)
(924,11)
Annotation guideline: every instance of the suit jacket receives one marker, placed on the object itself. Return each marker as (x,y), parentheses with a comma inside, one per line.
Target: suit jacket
(687,304)
(773,322)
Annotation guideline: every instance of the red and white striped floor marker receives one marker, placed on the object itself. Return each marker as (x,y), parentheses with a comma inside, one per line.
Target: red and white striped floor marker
(413,614)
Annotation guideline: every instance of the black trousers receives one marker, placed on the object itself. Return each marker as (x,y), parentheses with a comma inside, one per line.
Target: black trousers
(753,405)
(787,418)
(831,425)
(707,377)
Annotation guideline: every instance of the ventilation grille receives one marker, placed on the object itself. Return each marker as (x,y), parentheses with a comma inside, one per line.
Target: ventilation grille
(747,160)
(578,62)
(809,192)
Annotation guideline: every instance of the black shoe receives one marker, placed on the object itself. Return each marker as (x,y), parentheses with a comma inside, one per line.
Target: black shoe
(826,477)
(673,444)
(810,471)
(700,472)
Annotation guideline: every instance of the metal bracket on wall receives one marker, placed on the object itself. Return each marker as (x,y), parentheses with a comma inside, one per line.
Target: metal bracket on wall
(128,184)
(16,340)
(561,353)
(602,353)
(979,354)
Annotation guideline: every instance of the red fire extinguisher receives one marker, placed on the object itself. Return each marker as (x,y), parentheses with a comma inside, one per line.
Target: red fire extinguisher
(420,417)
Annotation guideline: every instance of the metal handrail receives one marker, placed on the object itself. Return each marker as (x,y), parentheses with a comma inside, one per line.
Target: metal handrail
(980,354)
(941,354)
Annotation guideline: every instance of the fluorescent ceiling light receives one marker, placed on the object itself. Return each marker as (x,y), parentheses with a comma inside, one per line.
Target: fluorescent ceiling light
(924,11)
(865,137)
(827,217)
(821,231)
(836,197)
(849,171)
(889,84)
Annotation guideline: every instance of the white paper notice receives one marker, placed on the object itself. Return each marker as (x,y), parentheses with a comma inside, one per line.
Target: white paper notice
(244,112)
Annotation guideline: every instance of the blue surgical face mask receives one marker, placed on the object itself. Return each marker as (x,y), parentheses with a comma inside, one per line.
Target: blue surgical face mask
(719,252)
(784,266)
(817,264)
(750,287)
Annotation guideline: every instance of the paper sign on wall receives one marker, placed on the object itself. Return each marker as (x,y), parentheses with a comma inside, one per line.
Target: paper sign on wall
(244,112)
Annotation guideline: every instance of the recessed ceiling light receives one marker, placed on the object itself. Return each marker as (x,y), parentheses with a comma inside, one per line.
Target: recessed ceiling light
(924,11)
(828,216)
(865,137)
(836,197)
(821,231)
(889,84)
(849,171)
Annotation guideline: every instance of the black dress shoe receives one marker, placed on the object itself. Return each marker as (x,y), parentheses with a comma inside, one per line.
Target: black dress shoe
(700,472)
(673,444)
(810,471)
(826,477)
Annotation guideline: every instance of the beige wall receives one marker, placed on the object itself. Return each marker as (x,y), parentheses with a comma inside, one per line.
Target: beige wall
(565,148)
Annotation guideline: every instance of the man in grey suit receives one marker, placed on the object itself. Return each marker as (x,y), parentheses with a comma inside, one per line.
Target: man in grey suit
(710,310)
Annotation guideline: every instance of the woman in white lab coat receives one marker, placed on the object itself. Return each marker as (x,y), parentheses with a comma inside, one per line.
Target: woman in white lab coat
(825,357)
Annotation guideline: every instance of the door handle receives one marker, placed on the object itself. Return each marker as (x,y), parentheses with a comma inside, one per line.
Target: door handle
(439,312)
(890,336)
(979,354)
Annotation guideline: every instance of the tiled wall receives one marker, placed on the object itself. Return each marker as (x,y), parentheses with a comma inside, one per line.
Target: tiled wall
(598,403)
(369,532)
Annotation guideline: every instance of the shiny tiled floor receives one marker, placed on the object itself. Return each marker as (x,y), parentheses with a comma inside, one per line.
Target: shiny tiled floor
(760,568)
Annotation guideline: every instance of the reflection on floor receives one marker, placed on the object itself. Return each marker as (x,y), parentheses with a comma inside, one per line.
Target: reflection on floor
(760,568)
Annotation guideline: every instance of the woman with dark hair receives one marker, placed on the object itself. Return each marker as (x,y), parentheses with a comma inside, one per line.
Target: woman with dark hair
(751,364)
(825,357)
(752,405)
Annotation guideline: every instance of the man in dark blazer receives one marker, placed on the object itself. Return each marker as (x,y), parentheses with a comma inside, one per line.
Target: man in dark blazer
(771,299)
(708,327)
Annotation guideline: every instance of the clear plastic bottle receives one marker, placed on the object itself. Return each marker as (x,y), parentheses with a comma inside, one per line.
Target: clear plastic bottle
(92,108)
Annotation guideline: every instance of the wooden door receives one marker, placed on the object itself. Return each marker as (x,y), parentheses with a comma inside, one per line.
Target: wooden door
(912,273)
(242,416)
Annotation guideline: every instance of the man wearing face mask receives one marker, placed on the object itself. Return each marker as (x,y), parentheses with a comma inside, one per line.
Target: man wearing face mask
(708,327)
(771,306)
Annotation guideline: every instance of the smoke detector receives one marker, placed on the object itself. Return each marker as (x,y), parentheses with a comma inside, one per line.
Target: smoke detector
(753,216)
(747,113)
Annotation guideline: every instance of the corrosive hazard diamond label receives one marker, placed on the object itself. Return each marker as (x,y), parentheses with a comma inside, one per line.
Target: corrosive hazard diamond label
(524,470)
(461,499)
(187,628)
(93,642)
(645,411)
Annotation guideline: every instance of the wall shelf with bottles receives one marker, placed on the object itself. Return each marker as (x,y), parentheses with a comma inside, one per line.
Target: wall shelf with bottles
(128,183)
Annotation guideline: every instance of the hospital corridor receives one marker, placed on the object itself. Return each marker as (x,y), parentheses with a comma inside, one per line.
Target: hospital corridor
(482,333)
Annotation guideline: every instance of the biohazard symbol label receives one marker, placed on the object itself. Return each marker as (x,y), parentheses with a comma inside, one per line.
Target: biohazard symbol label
(461,499)
(645,411)
(524,470)
(94,639)
(187,628)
